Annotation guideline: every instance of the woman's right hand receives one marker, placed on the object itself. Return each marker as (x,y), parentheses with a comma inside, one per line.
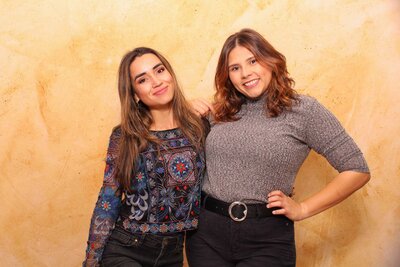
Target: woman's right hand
(286,206)
(201,107)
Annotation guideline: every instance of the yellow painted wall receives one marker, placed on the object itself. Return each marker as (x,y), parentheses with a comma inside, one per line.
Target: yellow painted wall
(58,65)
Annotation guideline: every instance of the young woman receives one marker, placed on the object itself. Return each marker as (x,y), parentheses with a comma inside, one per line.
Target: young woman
(154,168)
(261,133)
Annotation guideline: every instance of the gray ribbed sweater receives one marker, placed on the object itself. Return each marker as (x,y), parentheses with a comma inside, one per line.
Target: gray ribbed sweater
(255,155)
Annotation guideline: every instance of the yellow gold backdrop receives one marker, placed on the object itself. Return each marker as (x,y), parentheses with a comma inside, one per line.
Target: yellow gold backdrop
(59,102)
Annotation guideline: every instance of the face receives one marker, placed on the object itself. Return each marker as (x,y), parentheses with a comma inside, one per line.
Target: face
(247,74)
(153,83)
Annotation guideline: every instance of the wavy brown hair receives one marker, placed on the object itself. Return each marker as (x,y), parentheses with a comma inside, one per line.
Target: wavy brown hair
(136,118)
(279,94)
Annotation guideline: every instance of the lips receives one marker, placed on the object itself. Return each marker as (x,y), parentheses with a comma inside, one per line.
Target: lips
(161,91)
(251,84)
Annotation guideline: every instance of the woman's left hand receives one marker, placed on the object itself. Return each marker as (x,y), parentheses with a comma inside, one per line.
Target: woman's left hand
(288,207)
(201,107)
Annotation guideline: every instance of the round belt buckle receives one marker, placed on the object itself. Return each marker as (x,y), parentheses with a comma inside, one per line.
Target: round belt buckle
(244,212)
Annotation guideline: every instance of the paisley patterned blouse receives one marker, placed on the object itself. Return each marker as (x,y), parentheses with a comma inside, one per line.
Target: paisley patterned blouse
(165,196)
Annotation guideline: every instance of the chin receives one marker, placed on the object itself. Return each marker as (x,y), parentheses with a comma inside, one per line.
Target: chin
(254,96)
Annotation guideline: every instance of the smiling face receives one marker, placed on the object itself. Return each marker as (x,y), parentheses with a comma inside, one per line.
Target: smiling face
(152,82)
(247,74)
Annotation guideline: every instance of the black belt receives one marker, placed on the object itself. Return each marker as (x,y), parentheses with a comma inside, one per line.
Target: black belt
(237,211)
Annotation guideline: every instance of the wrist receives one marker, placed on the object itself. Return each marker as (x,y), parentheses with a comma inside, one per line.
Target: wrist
(304,211)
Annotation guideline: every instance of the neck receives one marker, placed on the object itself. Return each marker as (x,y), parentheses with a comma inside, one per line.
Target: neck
(260,98)
(163,119)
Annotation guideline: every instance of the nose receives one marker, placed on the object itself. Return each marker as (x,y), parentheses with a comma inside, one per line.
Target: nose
(156,82)
(245,72)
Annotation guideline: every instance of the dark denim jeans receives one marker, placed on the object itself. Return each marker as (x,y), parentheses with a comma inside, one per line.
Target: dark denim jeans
(124,249)
(220,241)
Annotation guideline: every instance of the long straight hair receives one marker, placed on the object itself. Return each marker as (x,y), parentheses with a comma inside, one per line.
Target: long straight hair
(136,118)
(279,94)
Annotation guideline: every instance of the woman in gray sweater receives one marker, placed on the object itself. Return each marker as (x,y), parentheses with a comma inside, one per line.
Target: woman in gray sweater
(261,133)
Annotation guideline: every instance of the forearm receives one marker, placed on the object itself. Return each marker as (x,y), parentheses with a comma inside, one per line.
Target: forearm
(341,187)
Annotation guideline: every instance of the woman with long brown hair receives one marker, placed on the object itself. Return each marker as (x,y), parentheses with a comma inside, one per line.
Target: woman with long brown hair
(155,162)
(261,133)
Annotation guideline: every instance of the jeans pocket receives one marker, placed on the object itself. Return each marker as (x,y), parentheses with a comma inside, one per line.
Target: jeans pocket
(125,239)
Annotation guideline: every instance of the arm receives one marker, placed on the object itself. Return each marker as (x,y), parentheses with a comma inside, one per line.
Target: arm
(106,210)
(324,134)
(342,186)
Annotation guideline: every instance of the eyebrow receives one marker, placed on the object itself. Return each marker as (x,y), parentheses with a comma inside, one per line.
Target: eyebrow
(250,58)
(143,73)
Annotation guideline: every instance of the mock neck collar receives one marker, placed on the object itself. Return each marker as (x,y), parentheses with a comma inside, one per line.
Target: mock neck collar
(259,101)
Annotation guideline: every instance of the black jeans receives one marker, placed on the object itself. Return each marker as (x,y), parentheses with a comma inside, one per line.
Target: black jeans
(124,249)
(220,241)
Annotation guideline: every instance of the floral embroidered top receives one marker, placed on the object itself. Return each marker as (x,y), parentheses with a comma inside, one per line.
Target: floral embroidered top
(165,195)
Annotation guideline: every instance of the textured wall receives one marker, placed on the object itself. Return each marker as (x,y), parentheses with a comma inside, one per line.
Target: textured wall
(58,64)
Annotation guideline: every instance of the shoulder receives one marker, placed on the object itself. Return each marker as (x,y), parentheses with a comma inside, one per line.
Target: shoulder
(309,106)
(114,141)
(315,114)
(302,106)
(116,133)
(308,109)
(304,102)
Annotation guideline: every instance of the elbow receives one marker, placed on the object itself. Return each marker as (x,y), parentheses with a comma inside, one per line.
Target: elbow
(359,179)
(363,178)
(367,177)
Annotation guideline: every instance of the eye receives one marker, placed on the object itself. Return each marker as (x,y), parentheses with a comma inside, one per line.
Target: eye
(161,70)
(141,80)
(253,61)
(234,68)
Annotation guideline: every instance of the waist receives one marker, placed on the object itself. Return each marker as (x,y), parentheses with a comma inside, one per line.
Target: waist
(157,228)
(127,238)
(237,210)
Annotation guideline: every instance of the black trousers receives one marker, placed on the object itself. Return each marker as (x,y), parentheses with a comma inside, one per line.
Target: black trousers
(124,249)
(220,241)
